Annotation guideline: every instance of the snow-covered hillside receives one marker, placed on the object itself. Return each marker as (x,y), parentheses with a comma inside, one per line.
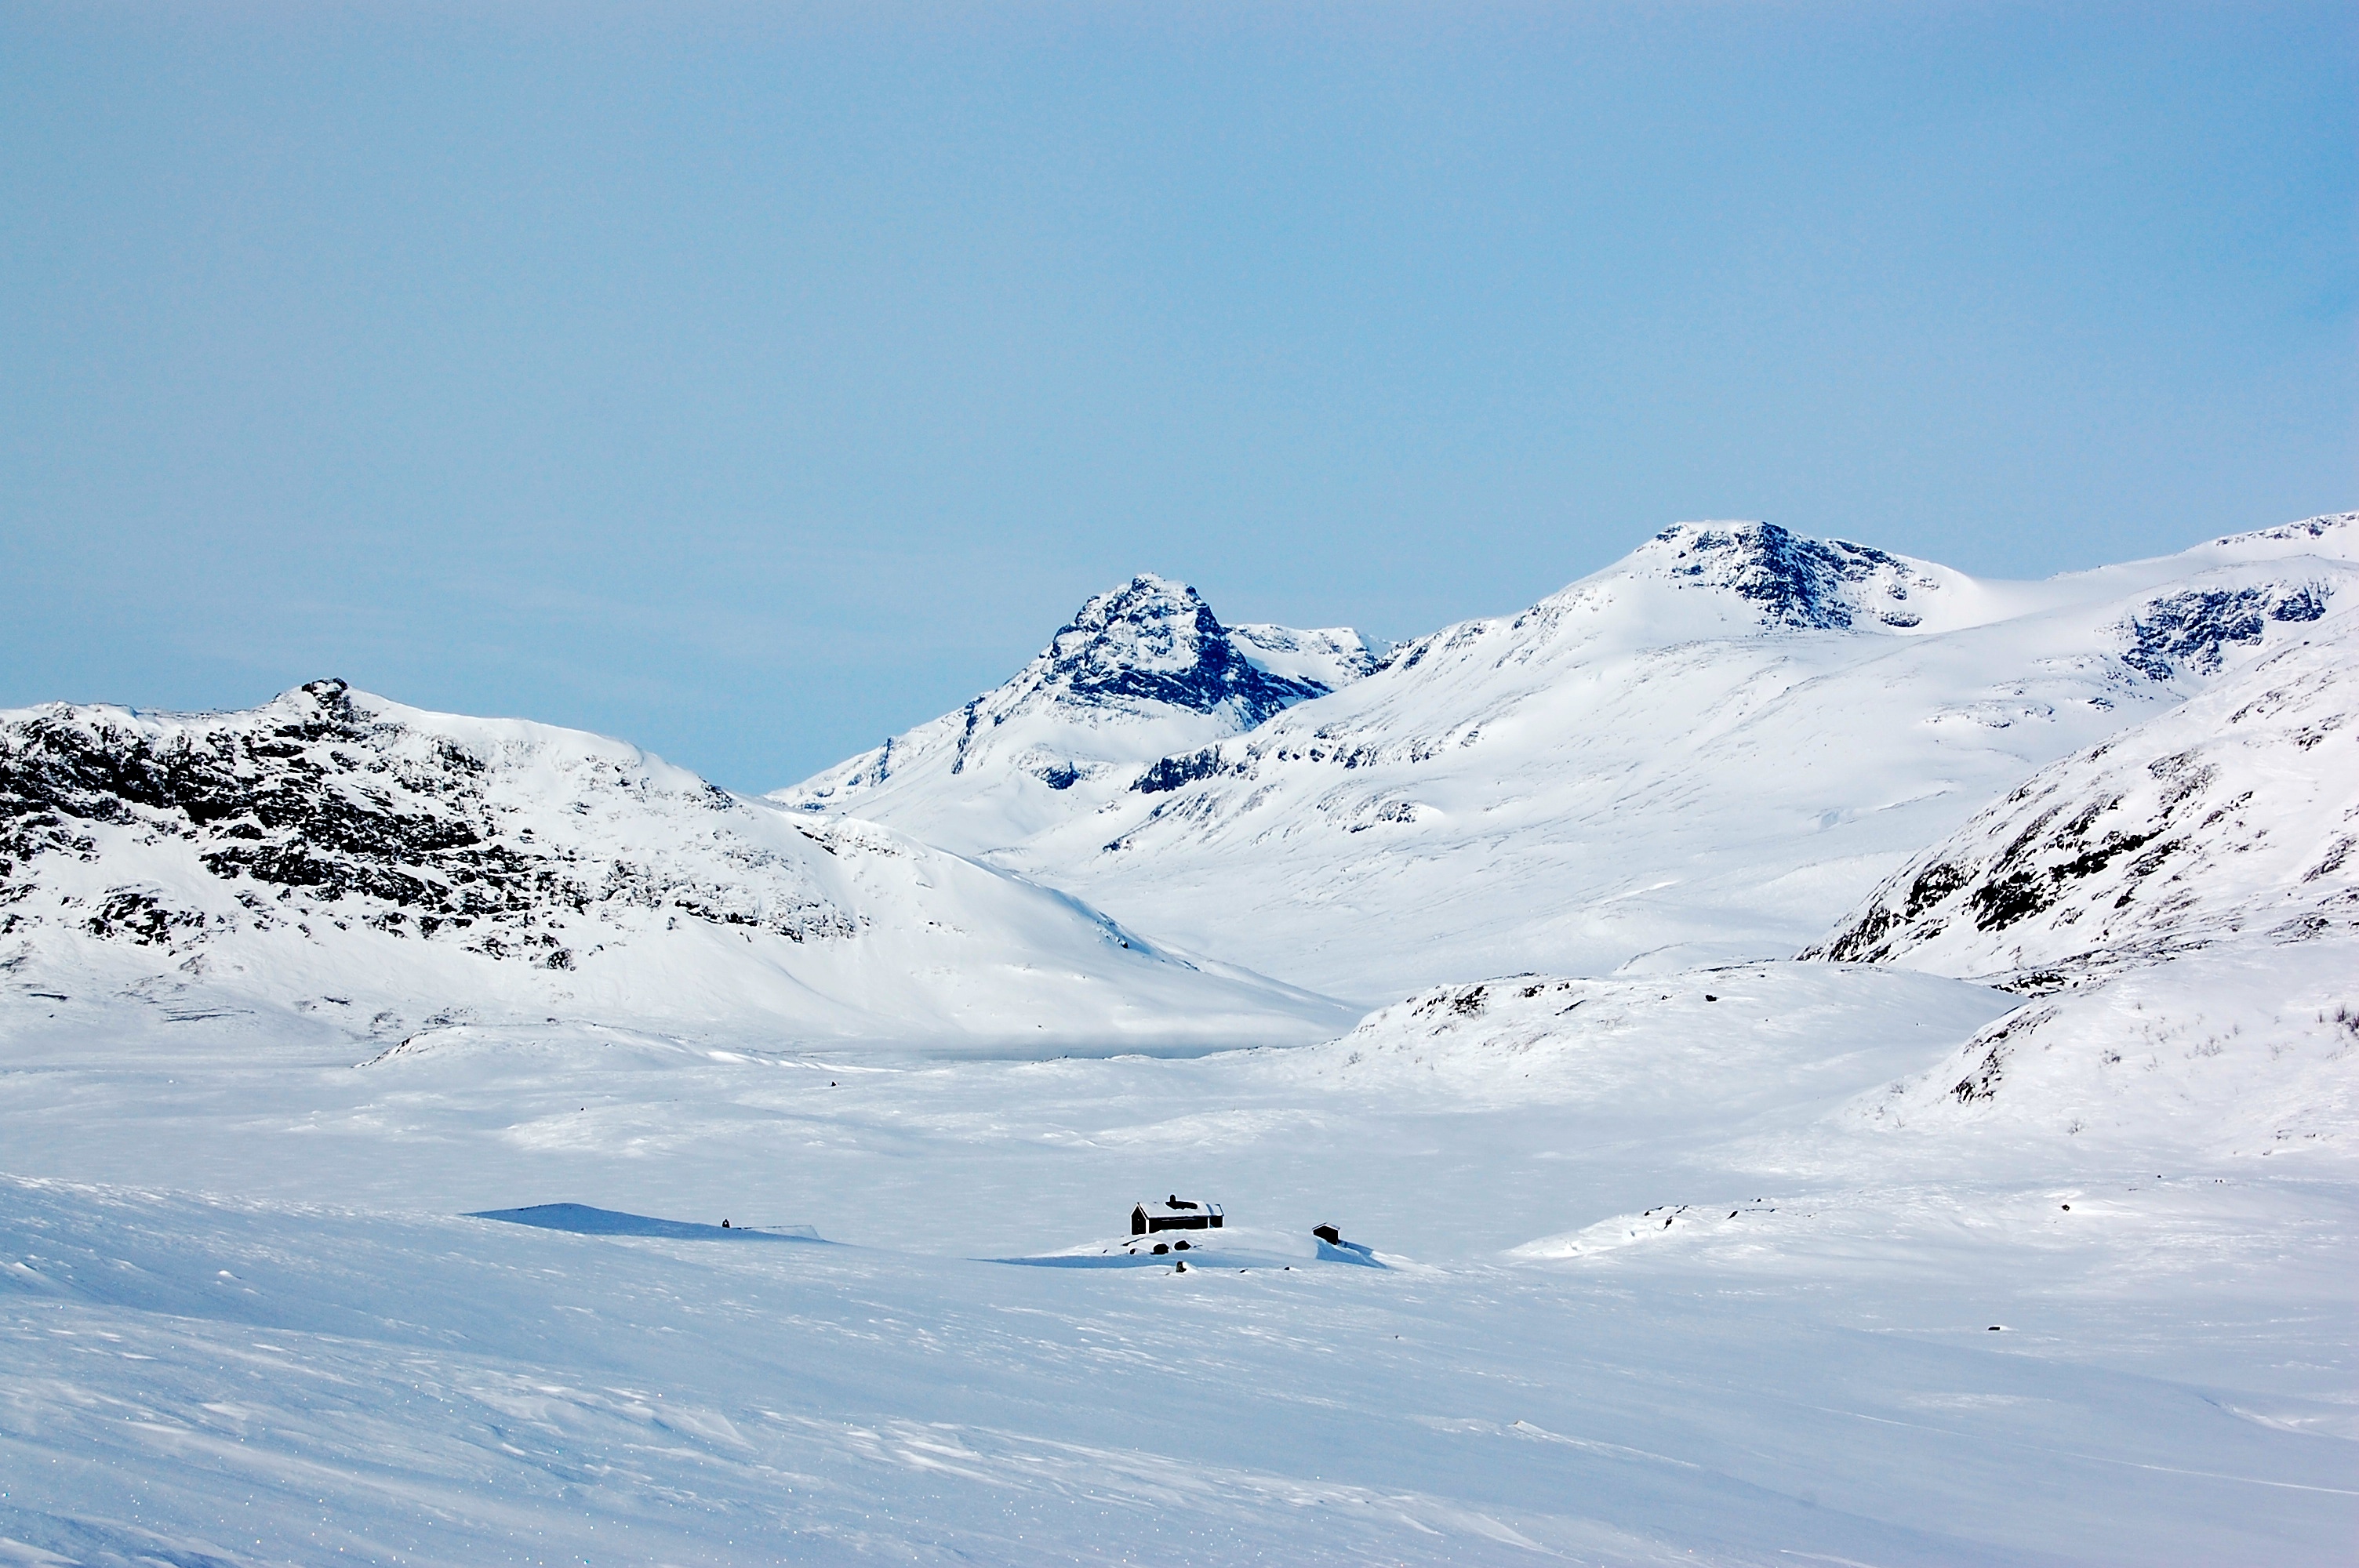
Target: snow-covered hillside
(2183,902)
(1143,671)
(1705,751)
(403,871)
(2234,814)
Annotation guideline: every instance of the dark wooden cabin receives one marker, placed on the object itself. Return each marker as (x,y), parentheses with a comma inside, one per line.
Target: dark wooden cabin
(1174,1213)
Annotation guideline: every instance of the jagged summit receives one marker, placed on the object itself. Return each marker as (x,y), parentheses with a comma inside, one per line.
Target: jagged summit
(1142,671)
(1156,642)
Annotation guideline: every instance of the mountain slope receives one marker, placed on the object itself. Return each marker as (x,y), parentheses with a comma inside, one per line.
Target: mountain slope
(335,850)
(1704,753)
(1142,671)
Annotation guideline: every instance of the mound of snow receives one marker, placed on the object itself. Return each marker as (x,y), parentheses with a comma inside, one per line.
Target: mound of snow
(1722,1045)
(2246,1051)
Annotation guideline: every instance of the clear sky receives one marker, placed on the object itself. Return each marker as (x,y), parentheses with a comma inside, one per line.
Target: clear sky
(755,382)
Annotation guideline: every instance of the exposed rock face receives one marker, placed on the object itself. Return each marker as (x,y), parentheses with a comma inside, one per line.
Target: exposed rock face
(2192,629)
(322,805)
(1156,642)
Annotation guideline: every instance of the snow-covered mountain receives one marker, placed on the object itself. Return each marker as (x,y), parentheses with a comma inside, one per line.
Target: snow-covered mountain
(1142,671)
(1705,751)
(336,851)
(2179,903)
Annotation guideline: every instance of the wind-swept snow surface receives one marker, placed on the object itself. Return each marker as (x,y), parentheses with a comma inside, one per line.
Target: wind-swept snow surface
(1679,1302)
(416,871)
(1707,751)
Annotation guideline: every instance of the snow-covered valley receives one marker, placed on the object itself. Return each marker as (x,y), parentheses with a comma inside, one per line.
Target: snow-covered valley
(1682,1298)
(2011,1222)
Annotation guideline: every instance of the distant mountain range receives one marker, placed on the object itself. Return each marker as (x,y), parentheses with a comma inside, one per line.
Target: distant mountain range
(1162,826)
(1707,751)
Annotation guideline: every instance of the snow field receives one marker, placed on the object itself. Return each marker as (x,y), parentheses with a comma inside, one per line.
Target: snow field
(338,1363)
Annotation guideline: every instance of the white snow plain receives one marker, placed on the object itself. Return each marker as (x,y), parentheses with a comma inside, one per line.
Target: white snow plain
(1661,1290)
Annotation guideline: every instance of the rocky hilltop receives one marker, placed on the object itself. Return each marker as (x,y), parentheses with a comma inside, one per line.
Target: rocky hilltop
(332,850)
(2233,816)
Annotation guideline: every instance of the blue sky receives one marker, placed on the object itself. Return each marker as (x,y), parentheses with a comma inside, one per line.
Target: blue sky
(755,382)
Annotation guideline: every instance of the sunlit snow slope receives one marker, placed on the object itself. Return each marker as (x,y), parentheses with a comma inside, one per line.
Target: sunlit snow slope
(1706,752)
(1143,670)
(403,871)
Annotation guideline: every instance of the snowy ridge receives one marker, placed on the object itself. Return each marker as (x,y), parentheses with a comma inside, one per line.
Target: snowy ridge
(415,868)
(1142,671)
(2331,535)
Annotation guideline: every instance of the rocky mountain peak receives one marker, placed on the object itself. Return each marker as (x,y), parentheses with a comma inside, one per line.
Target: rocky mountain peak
(1155,641)
(1142,671)
(1789,578)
